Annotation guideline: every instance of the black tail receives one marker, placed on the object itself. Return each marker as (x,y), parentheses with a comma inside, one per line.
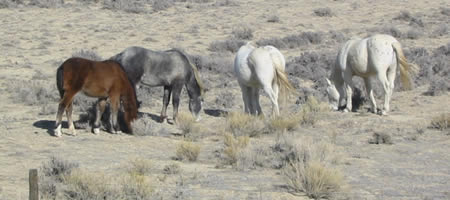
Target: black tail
(60,80)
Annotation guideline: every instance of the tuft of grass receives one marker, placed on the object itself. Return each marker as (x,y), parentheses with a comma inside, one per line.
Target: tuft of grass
(172,169)
(58,168)
(187,151)
(242,32)
(408,17)
(186,123)
(124,5)
(273,19)
(234,146)
(293,41)
(10,3)
(441,122)
(143,126)
(88,185)
(314,179)
(284,123)
(87,54)
(47,3)
(242,124)
(53,174)
(381,138)
(323,12)
(308,167)
(309,114)
(413,34)
(140,167)
(135,186)
(230,45)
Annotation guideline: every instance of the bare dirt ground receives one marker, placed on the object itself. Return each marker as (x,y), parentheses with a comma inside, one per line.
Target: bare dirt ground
(34,42)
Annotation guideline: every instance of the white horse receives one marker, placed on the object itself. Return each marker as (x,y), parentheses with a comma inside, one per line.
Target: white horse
(378,55)
(261,67)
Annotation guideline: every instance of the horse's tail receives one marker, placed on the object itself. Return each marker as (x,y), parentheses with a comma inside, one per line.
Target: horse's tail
(283,83)
(60,80)
(405,68)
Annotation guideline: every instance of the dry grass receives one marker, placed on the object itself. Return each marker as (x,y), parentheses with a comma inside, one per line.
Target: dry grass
(140,167)
(62,179)
(381,138)
(309,168)
(309,114)
(234,147)
(88,185)
(323,12)
(314,179)
(241,124)
(441,122)
(143,126)
(172,169)
(284,123)
(186,123)
(187,151)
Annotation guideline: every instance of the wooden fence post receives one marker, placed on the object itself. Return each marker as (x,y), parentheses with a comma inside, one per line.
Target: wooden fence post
(34,185)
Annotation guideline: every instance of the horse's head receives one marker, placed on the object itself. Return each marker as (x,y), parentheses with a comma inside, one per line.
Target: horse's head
(333,95)
(195,106)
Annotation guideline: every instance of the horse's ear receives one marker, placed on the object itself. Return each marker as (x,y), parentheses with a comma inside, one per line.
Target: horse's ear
(328,81)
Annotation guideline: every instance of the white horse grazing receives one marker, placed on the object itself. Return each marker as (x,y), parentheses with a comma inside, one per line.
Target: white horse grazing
(261,67)
(378,55)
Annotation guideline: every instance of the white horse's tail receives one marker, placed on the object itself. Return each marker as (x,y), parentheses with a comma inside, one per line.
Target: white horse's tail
(405,68)
(283,83)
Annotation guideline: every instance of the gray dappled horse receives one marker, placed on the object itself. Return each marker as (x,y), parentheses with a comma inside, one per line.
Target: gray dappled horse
(171,69)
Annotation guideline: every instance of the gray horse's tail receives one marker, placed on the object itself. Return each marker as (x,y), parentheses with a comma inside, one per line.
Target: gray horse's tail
(405,68)
(60,80)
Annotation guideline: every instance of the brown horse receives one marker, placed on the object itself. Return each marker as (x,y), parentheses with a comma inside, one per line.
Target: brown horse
(105,79)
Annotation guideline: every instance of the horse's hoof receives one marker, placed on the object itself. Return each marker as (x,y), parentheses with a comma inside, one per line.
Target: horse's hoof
(382,113)
(346,110)
(58,133)
(74,133)
(96,130)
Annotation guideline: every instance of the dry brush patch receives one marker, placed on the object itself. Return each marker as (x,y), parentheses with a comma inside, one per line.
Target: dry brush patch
(311,168)
(242,124)
(187,150)
(441,122)
(61,179)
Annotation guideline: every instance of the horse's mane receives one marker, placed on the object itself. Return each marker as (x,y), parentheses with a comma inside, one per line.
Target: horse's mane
(194,70)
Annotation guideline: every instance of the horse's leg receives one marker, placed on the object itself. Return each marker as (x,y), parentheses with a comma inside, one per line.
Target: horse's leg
(391,79)
(115,103)
(69,119)
(255,94)
(65,101)
(369,90)
(176,91)
(349,91)
(166,99)
(383,79)
(269,91)
(100,108)
(245,97)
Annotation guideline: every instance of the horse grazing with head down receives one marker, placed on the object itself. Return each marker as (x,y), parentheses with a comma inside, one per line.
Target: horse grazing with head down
(104,80)
(261,67)
(171,69)
(379,56)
